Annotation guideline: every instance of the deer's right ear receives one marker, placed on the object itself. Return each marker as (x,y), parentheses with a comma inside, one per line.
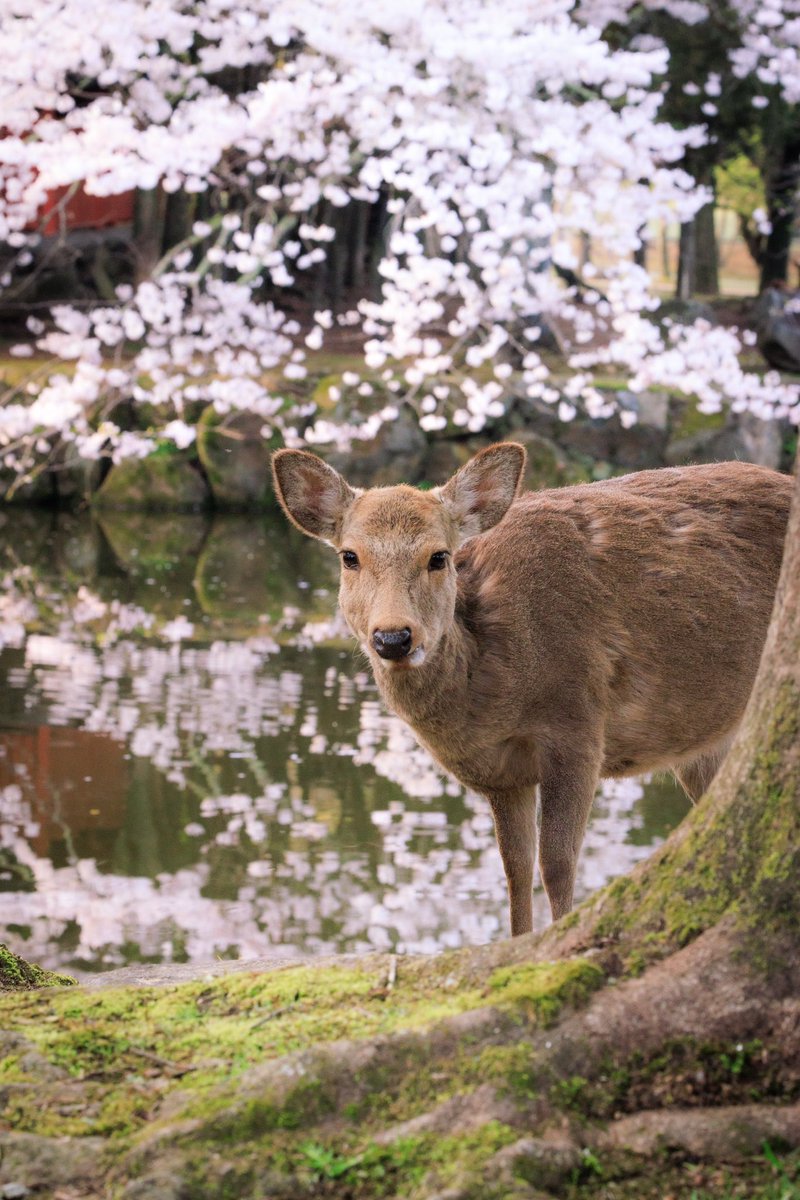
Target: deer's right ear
(313,495)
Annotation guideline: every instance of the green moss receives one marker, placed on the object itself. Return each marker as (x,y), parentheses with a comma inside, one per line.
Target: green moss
(688,420)
(306,1104)
(401,1090)
(211,1045)
(206,1033)
(18,975)
(682,1073)
(569,921)
(158,483)
(544,988)
(360,1169)
(772,1177)
(89,1050)
(571,1093)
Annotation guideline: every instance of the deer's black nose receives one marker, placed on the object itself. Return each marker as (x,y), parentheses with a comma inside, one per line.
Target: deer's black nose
(392,643)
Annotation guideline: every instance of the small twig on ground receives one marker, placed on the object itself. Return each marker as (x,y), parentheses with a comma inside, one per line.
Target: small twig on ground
(276,1012)
(158,1061)
(153,1058)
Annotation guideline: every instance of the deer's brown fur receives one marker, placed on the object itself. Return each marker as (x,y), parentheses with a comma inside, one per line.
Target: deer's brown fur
(601,630)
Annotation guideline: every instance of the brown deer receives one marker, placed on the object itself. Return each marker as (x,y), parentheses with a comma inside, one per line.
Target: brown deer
(550,639)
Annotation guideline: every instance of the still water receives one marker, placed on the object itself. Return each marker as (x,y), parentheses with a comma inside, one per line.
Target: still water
(194,763)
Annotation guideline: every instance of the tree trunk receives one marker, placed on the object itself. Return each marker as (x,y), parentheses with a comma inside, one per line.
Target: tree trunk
(706,261)
(359,225)
(148,230)
(782,208)
(654,1030)
(698,259)
(686,258)
(179,216)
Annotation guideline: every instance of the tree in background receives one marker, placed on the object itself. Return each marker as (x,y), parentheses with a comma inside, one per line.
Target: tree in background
(490,140)
(732,70)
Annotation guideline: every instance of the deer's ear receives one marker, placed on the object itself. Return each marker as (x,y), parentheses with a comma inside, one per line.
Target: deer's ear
(313,495)
(480,494)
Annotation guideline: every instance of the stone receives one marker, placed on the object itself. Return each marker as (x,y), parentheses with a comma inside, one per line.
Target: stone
(443,458)
(548,465)
(607,439)
(651,408)
(396,454)
(14,1191)
(158,483)
(235,456)
(30,1161)
(757,441)
(743,437)
(546,1162)
(776,316)
(75,478)
(532,415)
(638,447)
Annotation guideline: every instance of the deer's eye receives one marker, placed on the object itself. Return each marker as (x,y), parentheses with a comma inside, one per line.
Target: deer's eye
(350,560)
(438,561)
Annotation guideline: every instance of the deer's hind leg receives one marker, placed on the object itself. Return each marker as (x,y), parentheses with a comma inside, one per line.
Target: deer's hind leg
(695,777)
(515,826)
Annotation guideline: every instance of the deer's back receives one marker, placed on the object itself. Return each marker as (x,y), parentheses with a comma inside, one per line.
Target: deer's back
(641,602)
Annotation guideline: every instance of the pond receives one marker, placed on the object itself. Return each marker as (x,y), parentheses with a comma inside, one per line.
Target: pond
(195,764)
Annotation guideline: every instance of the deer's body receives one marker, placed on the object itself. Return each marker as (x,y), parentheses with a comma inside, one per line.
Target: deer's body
(592,631)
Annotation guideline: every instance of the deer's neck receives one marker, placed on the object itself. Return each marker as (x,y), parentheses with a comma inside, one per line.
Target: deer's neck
(437,692)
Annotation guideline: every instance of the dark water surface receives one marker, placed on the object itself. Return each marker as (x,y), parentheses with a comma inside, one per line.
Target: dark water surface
(195,764)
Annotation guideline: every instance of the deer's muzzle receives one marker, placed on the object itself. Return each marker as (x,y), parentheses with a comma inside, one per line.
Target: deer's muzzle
(392,643)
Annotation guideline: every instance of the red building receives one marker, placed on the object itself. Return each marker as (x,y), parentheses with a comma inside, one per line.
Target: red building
(82,211)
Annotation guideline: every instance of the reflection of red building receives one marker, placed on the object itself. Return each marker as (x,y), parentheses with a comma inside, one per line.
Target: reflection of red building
(72,780)
(81,211)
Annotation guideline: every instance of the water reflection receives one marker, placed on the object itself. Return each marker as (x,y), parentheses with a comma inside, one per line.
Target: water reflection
(194,763)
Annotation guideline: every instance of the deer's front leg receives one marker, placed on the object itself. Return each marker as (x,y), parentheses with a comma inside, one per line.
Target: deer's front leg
(515,826)
(566,791)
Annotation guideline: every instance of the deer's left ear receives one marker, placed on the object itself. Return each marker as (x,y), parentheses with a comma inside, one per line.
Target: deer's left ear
(481,493)
(313,495)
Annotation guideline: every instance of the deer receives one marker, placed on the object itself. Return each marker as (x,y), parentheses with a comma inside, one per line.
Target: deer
(537,642)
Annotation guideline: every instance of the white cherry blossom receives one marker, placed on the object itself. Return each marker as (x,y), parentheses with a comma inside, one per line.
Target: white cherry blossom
(500,135)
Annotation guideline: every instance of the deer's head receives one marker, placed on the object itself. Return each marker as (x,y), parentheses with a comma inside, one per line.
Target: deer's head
(396,544)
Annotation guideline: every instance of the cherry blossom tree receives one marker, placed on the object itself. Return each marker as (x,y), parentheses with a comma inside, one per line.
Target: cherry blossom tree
(498,137)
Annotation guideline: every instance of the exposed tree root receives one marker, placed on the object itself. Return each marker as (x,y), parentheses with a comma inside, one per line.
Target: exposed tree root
(719,1134)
